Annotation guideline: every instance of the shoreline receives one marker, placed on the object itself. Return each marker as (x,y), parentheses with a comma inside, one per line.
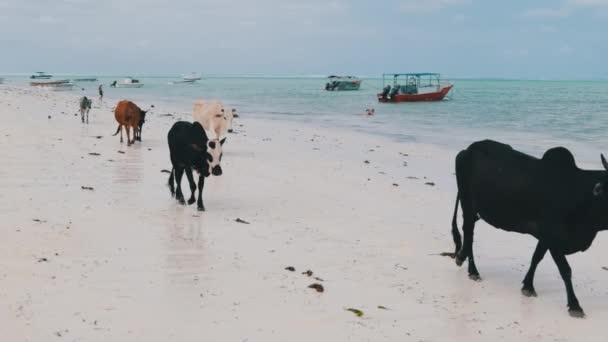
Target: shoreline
(126,262)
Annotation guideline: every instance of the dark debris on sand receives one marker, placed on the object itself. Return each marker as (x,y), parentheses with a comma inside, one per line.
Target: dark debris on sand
(290,268)
(87,188)
(238,220)
(317,287)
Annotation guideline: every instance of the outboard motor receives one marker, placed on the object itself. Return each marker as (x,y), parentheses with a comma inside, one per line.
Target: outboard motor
(395,91)
(385,91)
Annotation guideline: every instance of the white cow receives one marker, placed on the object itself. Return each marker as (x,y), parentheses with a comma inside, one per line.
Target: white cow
(214,117)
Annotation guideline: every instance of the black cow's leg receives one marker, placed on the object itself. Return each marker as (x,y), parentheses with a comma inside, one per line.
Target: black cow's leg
(179,172)
(574,307)
(192,185)
(468,226)
(539,254)
(201,185)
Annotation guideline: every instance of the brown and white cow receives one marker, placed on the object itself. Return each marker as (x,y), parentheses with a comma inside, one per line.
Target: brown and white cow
(129,115)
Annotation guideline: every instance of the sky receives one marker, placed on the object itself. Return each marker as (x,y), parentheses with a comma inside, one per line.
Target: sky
(559,39)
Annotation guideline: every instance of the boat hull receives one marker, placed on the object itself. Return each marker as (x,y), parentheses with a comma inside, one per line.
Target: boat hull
(40,77)
(85,80)
(346,86)
(434,96)
(49,84)
(131,85)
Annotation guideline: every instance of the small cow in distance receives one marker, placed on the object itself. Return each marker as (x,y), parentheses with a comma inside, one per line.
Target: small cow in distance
(550,198)
(191,149)
(85,107)
(129,115)
(214,117)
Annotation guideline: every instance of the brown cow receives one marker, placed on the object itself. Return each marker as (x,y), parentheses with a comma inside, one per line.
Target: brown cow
(129,115)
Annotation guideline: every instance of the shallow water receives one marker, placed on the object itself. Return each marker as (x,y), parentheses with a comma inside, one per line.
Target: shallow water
(533,115)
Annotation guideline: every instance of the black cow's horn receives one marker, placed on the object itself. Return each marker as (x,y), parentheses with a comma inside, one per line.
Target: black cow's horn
(604,162)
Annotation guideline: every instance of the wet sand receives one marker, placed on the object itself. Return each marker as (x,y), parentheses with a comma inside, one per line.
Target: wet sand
(125,262)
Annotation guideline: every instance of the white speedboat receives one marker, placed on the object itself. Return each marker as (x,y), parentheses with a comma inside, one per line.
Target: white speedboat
(193,76)
(128,82)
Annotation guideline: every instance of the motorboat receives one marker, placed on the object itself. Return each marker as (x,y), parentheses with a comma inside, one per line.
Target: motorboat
(128,82)
(40,75)
(413,87)
(193,76)
(346,82)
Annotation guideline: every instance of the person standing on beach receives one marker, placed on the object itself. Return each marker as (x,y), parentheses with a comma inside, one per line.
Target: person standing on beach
(100,92)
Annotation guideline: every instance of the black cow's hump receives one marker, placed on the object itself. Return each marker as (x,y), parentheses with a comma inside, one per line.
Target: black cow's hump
(559,157)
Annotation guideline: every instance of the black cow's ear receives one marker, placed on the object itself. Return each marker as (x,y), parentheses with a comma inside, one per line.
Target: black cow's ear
(223,141)
(598,189)
(604,162)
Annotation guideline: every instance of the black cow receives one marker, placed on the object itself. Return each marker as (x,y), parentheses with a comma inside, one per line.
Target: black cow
(550,198)
(191,149)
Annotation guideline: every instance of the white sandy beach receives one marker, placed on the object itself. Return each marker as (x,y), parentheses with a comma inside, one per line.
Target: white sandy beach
(126,262)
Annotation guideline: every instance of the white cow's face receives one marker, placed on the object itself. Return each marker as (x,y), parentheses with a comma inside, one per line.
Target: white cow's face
(230,114)
(214,156)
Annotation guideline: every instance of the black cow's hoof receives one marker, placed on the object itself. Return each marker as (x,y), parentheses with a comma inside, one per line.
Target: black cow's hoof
(201,208)
(459,260)
(191,200)
(475,277)
(181,201)
(528,292)
(576,313)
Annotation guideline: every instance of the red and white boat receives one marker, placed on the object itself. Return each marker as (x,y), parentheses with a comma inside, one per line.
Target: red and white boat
(413,87)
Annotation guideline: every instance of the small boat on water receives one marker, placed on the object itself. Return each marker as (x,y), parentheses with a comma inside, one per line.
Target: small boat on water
(60,85)
(335,82)
(86,79)
(49,83)
(193,76)
(40,75)
(128,82)
(414,87)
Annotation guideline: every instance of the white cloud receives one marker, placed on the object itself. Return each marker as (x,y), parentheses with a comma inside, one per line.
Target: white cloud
(425,6)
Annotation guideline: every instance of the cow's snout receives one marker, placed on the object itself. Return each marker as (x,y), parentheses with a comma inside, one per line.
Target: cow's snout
(217,170)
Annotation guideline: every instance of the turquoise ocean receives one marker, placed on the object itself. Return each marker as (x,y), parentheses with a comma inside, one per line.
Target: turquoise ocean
(530,115)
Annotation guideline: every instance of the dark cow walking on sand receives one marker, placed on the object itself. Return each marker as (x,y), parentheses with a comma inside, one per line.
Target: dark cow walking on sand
(85,107)
(550,198)
(190,149)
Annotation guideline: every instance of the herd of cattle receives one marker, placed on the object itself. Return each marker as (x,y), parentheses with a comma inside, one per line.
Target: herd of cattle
(195,146)
(561,205)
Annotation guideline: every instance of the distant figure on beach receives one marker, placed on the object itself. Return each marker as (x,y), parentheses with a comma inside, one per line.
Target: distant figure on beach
(85,107)
(100,89)
(113,84)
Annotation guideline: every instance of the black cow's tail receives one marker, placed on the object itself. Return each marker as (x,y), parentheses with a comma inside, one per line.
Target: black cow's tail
(455,232)
(117,130)
(171,183)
